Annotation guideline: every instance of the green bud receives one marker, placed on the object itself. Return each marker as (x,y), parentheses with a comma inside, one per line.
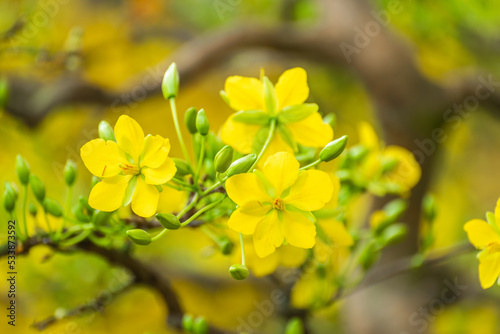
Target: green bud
(200,326)
(182,167)
(11,187)
(82,210)
(52,207)
(238,272)
(226,245)
(70,172)
(223,95)
(202,124)
(37,187)
(187,322)
(9,198)
(4,92)
(394,234)
(333,149)
(101,217)
(22,170)
(270,99)
(190,120)
(368,256)
(429,207)
(170,84)
(168,221)
(139,237)
(242,165)
(223,159)
(95,180)
(294,326)
(32,209)
(393,211)
(106,131)
(358,152)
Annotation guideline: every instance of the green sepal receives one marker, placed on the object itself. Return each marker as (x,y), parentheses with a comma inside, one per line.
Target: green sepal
(292,114)
(258,117)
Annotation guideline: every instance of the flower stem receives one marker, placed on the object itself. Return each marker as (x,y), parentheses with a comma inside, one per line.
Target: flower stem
(270,136)
(243,262)
(173,107)
(311,165)
(202,211)
(67,208)
(200,161)
(25,204)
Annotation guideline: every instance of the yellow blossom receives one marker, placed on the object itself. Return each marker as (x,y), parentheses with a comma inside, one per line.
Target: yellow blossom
(486,236)
(259,103)
(276,203)
(130,168)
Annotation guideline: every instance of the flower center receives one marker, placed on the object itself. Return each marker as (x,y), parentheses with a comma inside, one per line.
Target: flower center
(494,247)
(279,204)
(130,169)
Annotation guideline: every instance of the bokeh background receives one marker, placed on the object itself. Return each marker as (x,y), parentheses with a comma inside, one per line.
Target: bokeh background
(61,58)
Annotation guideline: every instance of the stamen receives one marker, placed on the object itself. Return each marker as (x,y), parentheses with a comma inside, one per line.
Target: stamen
(104,170)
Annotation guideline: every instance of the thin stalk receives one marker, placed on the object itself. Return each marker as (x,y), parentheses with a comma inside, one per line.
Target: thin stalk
(200,160)
(243,260)
(270,136)
(311,165)
(202,211)
(25,204)
(173,107)
(67,208)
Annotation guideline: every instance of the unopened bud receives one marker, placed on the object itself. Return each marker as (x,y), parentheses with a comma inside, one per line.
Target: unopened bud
(190,120)
(238,272)
(4,92)
(200,326)
(170,83)
(294,326)
(242,165)
(106,131)
(226,245)
(187,322)
(429,207)
(223,159)
(37,187)
(168,221)
(333,149)
(9,197)
(22,170)
(32,209)
(139,237)
(394,234)
(70,172)
(52,207)
(202,124)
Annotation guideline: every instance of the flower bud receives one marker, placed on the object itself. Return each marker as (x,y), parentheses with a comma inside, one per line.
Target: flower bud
(70,172)
(200,326)
(202,124)
(226,245)
(368,256)
(101,217)
(139,237)
(182,167)
(190,120)
(294,326)
(429,207)
(333,149)
(106,131)
(187,322)
(32,209)
(170,84)
(394,234)
(4,92)
(270,99)
(223,159)
(168,221)
(9,197)
(37,187)
(52,207)
(238,272)
(242,165)
(22,170)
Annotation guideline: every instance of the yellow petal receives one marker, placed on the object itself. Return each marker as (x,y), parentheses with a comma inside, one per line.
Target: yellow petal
(407,172)
(261,267)
(333,202)
(102,158)
(145,199)
(245,188)
(480,233)
(244,93)
(162,174)
(282,170)
(336,232)
(497,212)
(298,230)
(129,136)
(292,88)
(276,145)
(368,137)
(489,268)
(156,150)
(246,218)
(239,135)
(291,256)
(311,131)
(312,190)
(267,235)
(171,200)
(108,195)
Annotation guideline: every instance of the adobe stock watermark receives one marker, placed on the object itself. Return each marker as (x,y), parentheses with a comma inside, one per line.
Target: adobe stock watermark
(364,35)
(425,315)
(222,7)
(47,10)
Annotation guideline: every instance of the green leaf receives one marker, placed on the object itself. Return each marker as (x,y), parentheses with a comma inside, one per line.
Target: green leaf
(297,113)
(258,117)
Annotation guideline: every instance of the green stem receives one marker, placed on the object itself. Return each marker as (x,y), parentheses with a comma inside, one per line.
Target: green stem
(67,208)
(200,161)
(243,262)
(311,165)
(213,187)
(25,204)
(270,136)
(173,187)
(210,233)
(47,222)
(202,211)
(182,183)
(159,235)
(173,107)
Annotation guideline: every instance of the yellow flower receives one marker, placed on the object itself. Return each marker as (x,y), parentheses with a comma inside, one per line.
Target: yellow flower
(130,168)
(276,203)
(486,236)
(297,122)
